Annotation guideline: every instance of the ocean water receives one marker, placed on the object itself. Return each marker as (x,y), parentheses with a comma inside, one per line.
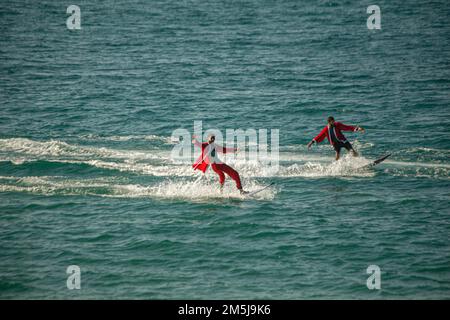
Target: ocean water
(86,177)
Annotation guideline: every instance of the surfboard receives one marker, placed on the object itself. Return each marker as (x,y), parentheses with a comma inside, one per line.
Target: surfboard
(378,161)
(252,193)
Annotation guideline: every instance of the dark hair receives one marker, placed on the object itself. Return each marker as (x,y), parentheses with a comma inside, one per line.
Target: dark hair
(330,118)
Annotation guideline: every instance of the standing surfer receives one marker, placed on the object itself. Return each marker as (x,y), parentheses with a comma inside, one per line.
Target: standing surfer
(333,132)
(209,157)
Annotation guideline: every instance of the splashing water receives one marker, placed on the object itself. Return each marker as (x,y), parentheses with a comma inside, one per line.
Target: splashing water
(176,179)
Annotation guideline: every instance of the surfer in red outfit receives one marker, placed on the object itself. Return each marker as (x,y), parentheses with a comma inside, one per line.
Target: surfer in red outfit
(209,157)
(333,132)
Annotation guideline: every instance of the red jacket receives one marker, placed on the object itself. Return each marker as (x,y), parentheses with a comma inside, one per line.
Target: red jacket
(338,127)
(206,157)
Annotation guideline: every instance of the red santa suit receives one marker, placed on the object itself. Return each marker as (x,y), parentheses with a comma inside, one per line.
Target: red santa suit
(209,157)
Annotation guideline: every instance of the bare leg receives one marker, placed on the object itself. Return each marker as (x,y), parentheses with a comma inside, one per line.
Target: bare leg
(353,151)
(337,155)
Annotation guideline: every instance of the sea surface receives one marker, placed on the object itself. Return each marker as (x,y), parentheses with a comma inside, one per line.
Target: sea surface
(87,177)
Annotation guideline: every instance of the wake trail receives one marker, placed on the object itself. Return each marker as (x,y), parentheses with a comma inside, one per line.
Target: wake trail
(177,178)
(169,189)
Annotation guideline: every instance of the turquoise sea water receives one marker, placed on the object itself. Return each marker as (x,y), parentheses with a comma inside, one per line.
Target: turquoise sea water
(86,178)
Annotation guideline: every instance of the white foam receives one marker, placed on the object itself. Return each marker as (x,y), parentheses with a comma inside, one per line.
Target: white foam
(158,163)
(107,187)
(151,137)
(418,164)
(429,150)
(146,168)
(55,148)
(346,166)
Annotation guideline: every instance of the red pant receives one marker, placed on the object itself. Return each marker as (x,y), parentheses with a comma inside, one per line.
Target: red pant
(220,168)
